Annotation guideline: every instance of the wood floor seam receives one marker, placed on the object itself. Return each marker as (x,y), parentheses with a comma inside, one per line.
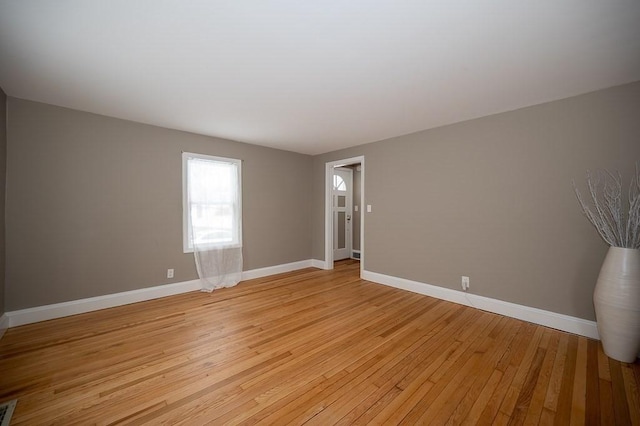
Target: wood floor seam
(309,347)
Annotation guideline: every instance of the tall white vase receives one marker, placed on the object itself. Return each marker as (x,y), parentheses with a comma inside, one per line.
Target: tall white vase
(617,302)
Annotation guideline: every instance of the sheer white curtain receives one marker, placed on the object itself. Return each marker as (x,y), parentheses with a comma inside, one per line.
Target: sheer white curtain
(214,218)
(218,268)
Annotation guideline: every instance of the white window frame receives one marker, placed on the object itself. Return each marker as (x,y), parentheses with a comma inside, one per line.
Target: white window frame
(187,245)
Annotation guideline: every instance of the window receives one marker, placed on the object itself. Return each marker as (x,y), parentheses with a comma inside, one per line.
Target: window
(212,201)
(339,183)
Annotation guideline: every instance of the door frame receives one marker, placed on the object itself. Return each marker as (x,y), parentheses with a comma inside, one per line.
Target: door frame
(328,209)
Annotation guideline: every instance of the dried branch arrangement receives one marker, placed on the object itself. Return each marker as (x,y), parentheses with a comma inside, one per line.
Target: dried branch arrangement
(606,211)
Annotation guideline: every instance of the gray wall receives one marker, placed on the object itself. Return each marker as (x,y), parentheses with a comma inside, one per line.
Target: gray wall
(492,199)
(94,204)
(3,181)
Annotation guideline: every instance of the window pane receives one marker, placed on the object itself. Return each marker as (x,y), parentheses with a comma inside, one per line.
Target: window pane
(212,223)
(339,183)
(212,201)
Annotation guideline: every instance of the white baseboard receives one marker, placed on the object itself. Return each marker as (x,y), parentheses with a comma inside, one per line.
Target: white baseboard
(550,319)
(320,264)
(64,309)
(4,324)
(59,310)
(277,269)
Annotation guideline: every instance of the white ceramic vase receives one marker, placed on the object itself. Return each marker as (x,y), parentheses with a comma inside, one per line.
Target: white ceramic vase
(617,302)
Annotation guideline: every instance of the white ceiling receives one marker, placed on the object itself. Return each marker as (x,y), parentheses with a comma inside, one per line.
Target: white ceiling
(313,76)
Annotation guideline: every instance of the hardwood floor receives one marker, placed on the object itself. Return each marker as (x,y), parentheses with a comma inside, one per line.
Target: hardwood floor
(313,347)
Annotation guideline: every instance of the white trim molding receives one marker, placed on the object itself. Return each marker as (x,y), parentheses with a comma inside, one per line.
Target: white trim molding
(277,269)
(74,307)
(550,319)
(64,309)
(4,324)
(320,264)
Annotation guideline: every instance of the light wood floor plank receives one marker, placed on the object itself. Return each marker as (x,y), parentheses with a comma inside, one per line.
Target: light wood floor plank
(508,365)
(592,414)
(537,400)
(450,375)
(531,360)
(579,395)
(314,347)
(633,394)
(620,407)
(565,397)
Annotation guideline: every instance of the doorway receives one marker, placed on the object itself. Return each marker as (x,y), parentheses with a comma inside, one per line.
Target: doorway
(342,202)
(332,234)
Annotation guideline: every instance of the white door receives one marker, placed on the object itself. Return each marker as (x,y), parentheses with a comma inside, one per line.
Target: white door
(342,202)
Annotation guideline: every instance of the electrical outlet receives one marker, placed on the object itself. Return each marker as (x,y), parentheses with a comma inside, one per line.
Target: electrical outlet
(169,273)
(465,283)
